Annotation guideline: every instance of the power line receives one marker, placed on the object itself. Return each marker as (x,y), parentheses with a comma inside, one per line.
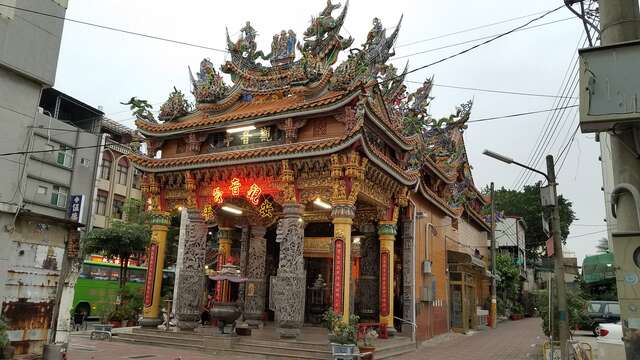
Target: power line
(54,150)
(115,29)
(467,49)
(519,114)
(587,234)
(489,90)
(469,29)
(476,39)
(546,133)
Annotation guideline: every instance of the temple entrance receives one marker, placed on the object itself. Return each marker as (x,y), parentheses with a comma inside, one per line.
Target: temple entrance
(318,299)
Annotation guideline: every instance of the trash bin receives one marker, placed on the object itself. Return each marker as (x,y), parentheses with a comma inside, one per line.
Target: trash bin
(54,351)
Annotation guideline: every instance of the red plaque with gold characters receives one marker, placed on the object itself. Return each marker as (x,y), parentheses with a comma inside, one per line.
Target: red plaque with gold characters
(151,275)
(338,266)
(384,283)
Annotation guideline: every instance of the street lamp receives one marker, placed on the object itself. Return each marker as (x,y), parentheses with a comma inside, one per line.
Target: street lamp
(550,199)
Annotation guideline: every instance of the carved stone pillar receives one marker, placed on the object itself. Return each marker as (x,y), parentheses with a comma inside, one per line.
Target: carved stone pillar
(159,227)
(244,249)
(255,286)
(408,267)
(288,289)
(387,236)
(342,215)
(369,270)
(190,284)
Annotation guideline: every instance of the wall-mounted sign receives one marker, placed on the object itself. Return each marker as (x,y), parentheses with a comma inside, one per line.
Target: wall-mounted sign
(76,206)
(262,135)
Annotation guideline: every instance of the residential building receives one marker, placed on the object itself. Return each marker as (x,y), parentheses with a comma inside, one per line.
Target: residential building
(510,239)
(49,174)
(117,179)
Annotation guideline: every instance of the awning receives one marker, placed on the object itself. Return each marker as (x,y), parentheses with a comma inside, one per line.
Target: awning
(460,258)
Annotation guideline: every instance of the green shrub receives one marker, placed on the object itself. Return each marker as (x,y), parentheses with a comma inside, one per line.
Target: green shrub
(4,337)
(576,305)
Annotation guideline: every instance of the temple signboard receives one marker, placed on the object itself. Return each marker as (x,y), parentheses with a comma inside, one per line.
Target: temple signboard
(384,283)
(338,266)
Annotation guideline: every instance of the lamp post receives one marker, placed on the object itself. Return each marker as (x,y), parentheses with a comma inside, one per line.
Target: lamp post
(549,198)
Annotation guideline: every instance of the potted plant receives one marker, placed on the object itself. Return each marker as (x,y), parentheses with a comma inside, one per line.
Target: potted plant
(368,344)
(116,317)
(517,312)
(6,350)
(343,336)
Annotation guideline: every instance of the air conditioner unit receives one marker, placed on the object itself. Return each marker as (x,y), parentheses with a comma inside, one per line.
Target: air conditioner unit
(426,267)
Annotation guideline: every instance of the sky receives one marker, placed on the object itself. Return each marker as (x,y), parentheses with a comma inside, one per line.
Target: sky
(104,68)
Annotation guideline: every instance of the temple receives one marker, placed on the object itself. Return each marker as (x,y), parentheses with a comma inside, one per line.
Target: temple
(327,184)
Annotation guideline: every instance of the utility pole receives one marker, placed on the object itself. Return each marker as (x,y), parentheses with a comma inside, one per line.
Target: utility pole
(620,22)
(561,294)
(494,304)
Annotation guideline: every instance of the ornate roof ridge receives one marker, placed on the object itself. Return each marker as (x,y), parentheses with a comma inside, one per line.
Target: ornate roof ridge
(437,200)
(257,110)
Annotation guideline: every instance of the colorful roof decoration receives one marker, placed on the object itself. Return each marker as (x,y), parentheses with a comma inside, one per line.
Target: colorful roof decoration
(295,83)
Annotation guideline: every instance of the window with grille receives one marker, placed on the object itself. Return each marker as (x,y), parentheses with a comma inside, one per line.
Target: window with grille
(122,171)
(137,179)
(65,156)
(105,167)
(101,203)
(59,196)
(118,206)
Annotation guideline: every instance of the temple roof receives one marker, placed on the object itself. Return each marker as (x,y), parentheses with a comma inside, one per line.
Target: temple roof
(245,110)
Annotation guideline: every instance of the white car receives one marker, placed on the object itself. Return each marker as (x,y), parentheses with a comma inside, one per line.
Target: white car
(609,342)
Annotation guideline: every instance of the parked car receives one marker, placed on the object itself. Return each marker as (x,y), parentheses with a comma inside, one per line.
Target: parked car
(601,312)
(609,343)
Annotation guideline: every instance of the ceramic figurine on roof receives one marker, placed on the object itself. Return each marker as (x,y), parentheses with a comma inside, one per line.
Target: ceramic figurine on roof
(364,65)
(283,48)
(378,46)
(175,106)
(209,85)
(141,109)
(322,38)
(416,119)
(245,47)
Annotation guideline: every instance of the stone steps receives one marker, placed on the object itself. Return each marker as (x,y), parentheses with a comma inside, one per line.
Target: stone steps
(260,348)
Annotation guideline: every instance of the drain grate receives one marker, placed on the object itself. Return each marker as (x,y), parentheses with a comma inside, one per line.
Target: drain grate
(141,356)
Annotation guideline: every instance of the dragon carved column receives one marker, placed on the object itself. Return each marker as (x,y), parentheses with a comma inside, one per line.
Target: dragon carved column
(190,284)
(255,287)
(288,290)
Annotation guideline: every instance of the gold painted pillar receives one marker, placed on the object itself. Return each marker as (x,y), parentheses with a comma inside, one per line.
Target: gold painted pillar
(342,215)
(387,237)
(225,239)
(155,264)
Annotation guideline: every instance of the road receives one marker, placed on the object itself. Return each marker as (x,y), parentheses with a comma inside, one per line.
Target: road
(511,340)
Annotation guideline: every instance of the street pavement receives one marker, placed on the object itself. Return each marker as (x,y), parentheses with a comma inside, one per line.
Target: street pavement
(511,340)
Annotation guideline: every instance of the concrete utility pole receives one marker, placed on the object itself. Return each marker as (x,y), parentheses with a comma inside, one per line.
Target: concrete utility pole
(494,304)
(620,22)
(561,294)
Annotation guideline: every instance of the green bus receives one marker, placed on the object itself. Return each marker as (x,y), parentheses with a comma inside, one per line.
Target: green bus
(97,286)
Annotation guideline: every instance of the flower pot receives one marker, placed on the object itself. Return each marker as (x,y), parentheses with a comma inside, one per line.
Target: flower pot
(367,351)
(343,349)
(115,323)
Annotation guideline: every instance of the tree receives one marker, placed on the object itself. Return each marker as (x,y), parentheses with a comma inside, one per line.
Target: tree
(509,285)
(526,204)
(603,245)
(123,240)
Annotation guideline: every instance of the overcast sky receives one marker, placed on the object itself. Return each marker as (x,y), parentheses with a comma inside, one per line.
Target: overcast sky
(103,67)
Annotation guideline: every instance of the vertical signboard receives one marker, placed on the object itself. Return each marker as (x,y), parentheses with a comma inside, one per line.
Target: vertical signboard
(384,283)
(151,275)
(338,275)
(76,205)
